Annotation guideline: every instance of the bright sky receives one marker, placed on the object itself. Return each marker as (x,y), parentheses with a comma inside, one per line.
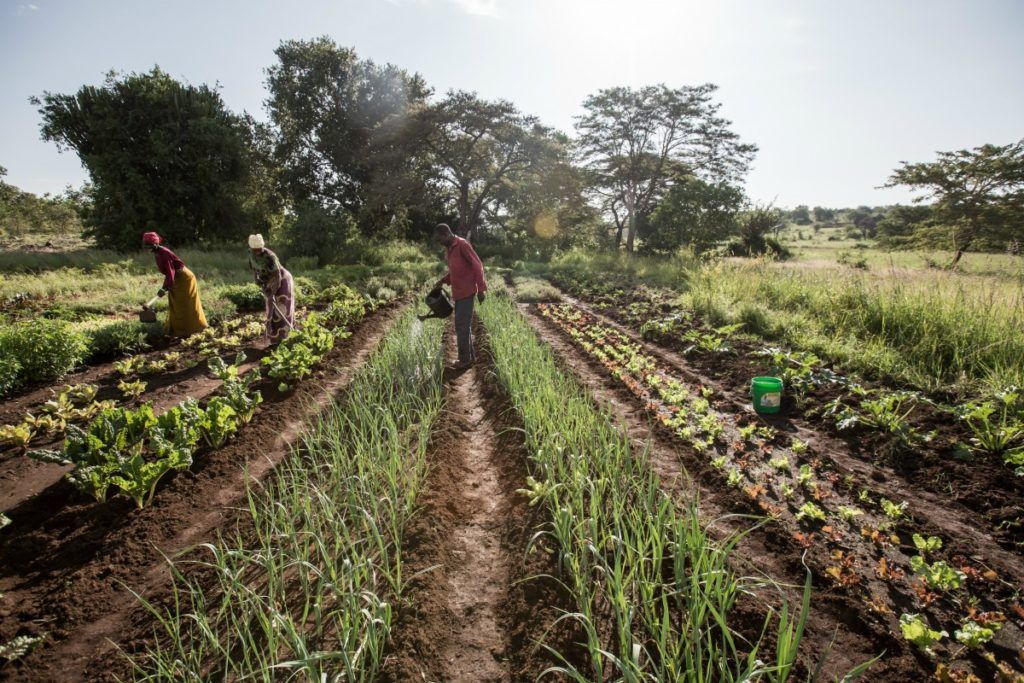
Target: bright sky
(835,94)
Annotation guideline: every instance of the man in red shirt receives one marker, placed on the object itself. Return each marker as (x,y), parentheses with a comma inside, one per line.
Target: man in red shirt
(466,277)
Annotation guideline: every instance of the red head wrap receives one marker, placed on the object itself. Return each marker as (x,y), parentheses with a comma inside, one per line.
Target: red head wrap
(150,238)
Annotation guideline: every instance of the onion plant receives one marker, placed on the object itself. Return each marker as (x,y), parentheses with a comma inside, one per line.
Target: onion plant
(302,589)
(654,594)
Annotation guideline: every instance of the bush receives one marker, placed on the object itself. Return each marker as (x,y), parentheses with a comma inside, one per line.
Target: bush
(44,350)
(247,298)
(117,339)
(10,369)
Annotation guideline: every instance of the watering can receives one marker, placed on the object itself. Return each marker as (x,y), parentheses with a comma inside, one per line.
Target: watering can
(439,303)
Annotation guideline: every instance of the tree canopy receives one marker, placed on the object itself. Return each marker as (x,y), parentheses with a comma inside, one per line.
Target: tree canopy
(336,119)
(633,142)
(978,193)
(162,155)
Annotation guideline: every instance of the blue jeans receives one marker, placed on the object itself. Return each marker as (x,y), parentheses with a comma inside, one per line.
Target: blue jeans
(464,329)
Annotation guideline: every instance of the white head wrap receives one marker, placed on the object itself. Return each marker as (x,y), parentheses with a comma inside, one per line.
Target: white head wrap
(256,241)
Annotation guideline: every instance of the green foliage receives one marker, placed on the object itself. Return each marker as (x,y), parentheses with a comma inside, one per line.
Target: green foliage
(754,225)
(23,213)
(319,232)
(974,635)
(997,425)
(938,575)
(329,108)
(634,142)
(694,213)
(916,632)
(38,351)
(162,155)
(810,512)
(117,339)
(219,422)
(247,298)
(977,193)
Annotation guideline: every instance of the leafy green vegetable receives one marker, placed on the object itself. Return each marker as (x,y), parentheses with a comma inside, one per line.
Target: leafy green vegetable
(810,511)
(937,575)
(974,635)
(916,632)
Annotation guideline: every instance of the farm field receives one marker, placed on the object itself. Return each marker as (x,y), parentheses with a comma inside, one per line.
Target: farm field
(557,511)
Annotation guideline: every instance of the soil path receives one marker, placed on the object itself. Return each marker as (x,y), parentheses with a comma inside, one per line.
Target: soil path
(477,602)
(453,630)
(72,586)
(837,628)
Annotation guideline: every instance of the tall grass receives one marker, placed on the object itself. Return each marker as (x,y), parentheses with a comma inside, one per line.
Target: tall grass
(654,594)
(303,594)
(935,330)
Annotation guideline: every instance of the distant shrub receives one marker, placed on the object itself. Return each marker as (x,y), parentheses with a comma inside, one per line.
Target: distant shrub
(247,298)
(44,350)
(119,338)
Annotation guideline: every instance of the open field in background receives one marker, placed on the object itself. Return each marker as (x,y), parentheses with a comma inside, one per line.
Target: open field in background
(926,328)
(830,247)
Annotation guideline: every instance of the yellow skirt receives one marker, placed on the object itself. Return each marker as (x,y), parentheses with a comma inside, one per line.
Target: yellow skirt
(184,309)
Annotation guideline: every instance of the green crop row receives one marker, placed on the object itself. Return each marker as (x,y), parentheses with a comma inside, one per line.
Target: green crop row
(304,593)
(654,593)
(133,449)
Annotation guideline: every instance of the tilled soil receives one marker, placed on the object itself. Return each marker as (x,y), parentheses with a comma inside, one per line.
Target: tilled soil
(477,603)
(23,478)
(68,564)
(983,490)
(837,631)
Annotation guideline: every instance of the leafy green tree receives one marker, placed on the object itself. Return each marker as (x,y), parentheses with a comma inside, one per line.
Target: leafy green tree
(338,123)
(752,239)
(162,156)
(23,212)
(864,220)
(801,215)
(821,214)
(634,142)
(902,226)
(978,192)
(479,151)
(694,213)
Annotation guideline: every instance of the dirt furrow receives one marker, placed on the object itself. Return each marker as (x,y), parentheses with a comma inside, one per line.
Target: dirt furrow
(839,629)
(74,589)
(474,608)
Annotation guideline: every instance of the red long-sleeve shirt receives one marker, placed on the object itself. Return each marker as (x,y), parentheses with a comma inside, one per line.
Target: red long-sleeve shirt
(168,263)
(465,271)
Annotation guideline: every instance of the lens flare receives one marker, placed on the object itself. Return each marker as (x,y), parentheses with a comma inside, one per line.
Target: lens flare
(545,225)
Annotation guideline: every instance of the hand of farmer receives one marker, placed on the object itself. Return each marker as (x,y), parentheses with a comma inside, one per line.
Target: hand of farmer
(480,297)
(437,285)
(160,292)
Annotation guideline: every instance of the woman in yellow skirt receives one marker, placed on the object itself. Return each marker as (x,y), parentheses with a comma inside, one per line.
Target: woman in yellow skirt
(184,309)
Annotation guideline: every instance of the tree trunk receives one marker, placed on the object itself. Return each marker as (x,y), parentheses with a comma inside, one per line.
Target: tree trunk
(963,244)
(464,222)
(618,235)
(631,219)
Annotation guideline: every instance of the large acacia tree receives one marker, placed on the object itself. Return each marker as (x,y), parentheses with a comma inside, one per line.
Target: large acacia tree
(478,150)
(162,155)
(634,142)
(978,192)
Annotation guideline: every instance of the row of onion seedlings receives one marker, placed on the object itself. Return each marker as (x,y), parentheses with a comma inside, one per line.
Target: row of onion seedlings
(654,594)
(304,591)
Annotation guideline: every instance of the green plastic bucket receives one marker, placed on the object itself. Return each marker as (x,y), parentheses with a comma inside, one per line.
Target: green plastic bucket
(767,393)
